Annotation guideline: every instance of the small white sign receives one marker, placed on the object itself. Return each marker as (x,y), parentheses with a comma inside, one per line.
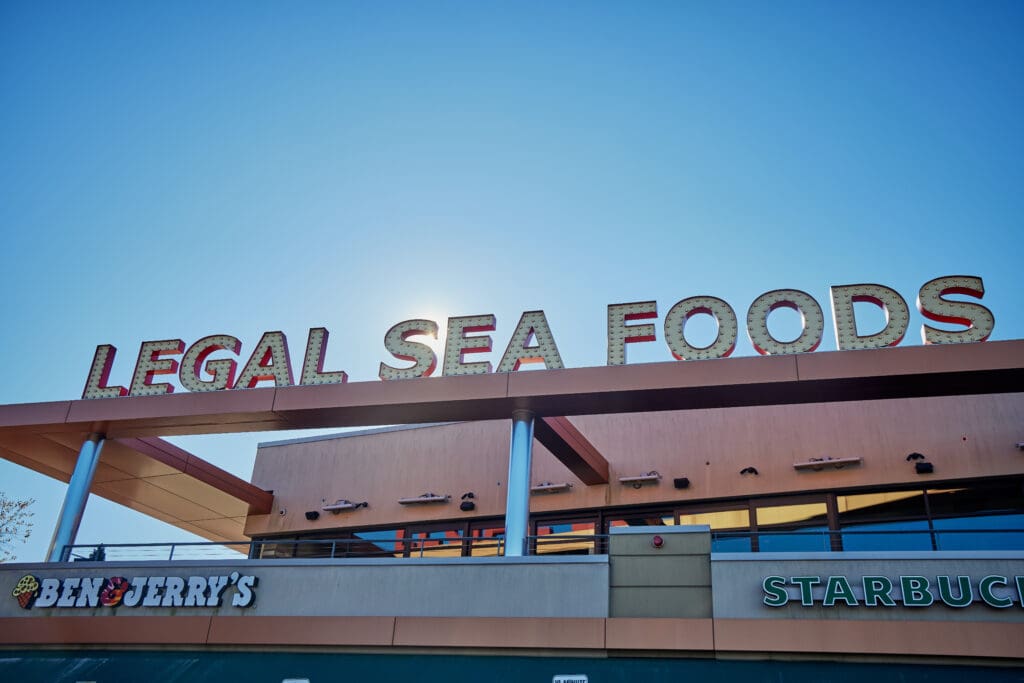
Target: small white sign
(570,678)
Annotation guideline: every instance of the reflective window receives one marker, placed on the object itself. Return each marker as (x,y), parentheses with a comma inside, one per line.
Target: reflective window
(730,529)
(435,543)
(905,535)
(888,520)
(981,532)
(565,538)
(788,528)
(487,541)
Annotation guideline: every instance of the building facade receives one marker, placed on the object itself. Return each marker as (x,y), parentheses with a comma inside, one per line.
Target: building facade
(809,517)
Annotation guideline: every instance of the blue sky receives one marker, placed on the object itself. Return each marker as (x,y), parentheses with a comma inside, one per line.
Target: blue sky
(173,170)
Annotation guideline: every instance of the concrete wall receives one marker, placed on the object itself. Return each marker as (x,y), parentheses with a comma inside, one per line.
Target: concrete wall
(463,587)
(670,580)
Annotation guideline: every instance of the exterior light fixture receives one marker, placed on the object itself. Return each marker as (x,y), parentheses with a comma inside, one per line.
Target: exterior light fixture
(313,515)
(749,470)
(681,482)
(1020,445)
(343,504)
(425,498)
(817,464)
(651,477)
(467,504)
(548,487)
(658,542)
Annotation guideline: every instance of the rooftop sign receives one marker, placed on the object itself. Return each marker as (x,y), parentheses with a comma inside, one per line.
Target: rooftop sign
(532,341)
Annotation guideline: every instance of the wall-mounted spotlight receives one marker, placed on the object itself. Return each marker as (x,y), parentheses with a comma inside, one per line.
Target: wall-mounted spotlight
(1020,445)
(749,470)
(548,487)
(651,477)
(424,498)
(681,482)
(343,504)
(467,504)
(313,515)
(915,456)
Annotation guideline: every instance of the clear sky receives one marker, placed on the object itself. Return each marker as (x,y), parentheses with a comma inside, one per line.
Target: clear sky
(174,170)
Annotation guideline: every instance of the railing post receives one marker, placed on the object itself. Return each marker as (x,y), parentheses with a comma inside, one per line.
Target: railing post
(517,505)
(75,499)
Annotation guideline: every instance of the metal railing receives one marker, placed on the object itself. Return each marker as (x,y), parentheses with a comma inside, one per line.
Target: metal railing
(270,549)
(881,540)
(553,544)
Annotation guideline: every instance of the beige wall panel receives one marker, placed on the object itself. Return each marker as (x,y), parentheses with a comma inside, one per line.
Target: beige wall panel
(625,633)
(381,468)
(202,494)
(280,631)
(963,436)
(231,528)
(538,633)
(179,630)
(982,639)
(141,490)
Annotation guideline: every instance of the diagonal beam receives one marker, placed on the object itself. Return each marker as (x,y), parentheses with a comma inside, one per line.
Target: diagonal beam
(568,444)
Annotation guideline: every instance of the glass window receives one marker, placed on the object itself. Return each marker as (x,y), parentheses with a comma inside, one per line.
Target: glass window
(887,520)
(435,543)
(906,535)
(487,541)
(565,538)
(788,528)
(730,529)
(980,532)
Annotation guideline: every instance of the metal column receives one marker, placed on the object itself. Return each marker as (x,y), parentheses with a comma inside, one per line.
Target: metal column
(517,506)
(76,497)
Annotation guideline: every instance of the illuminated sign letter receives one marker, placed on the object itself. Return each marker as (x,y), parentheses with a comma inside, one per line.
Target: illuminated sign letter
(532,324)
(99,373)
(396,341)
(313,365)
(897,316)
(222,370)
(150,364)
(458,344)
(675,328)
(620,334)
(978,319)
(268,362)
(803,303)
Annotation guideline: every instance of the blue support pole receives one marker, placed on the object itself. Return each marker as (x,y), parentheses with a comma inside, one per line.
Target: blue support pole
(517,506)
(75,498)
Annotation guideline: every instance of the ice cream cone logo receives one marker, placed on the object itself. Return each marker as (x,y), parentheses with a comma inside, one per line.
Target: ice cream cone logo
(26,590)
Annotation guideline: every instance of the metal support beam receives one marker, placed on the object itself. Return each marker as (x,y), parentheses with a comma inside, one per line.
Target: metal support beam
(517,506)
(75,498)
(567,443)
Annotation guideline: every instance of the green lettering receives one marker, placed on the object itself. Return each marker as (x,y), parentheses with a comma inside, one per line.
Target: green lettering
(1020,589)
(878,590)
(990,598)
(774,593)
(964,586)
(805,583)
(838,588)
(915,591)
